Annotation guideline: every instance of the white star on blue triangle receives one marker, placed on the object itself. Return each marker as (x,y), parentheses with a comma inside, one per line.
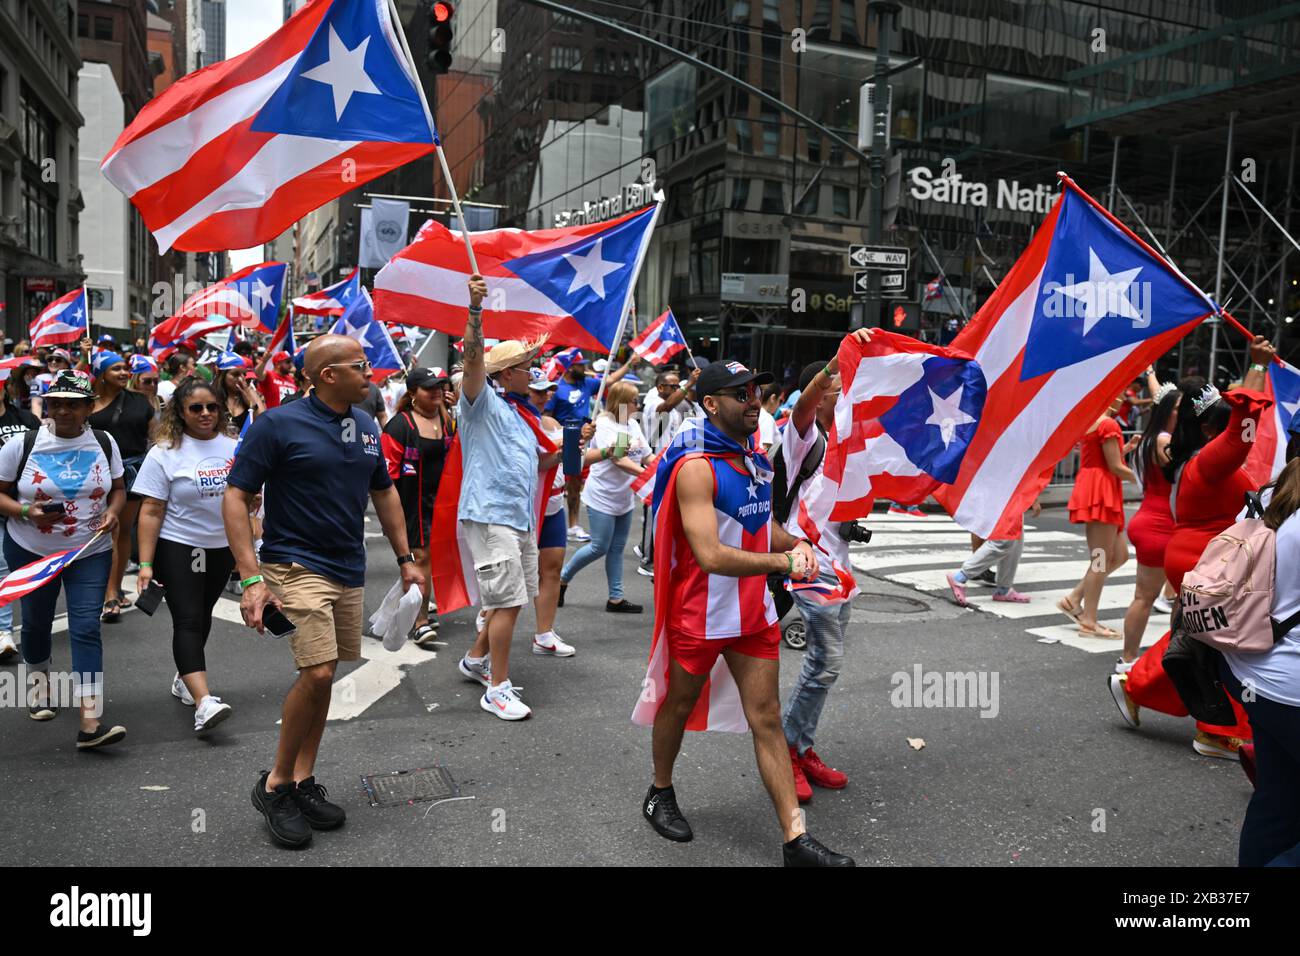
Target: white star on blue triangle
(937,443)
(1286,390)
(348,84)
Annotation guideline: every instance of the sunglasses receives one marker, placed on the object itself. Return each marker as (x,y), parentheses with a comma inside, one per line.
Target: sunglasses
(198,408)
(148,381)
(742,395)
(363,366)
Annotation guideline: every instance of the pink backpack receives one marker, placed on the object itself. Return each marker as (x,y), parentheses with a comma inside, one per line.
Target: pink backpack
(1227,598)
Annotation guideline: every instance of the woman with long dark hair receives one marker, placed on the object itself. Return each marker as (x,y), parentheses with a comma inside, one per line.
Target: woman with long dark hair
(238,394)
(182,536)
(1211,441)
(1153,525)
(415,444)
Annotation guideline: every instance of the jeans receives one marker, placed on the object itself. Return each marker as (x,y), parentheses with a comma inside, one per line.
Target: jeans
(826,625)
(1005,554)
(83,581)
(1270,834)
(608,538)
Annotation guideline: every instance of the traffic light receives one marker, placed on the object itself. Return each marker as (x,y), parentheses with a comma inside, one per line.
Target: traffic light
(440,34)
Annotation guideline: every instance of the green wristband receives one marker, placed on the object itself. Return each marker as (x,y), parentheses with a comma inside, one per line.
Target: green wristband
(789,557)
(26,508)
(831,370)
(146,564)
(1259,368)
(250,581)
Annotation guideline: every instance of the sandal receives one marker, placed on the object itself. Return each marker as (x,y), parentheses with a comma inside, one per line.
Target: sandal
(1101,630)
(122,600)
(1068,609)
(424,634)
(112,611)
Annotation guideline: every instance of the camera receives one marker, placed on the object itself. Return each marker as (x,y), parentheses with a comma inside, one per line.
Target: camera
(852,531)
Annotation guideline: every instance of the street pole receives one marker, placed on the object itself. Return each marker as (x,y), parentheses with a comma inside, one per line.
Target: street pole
(1286,252)
(1114,173)
(1223,238)
(1169,232)
(885,11)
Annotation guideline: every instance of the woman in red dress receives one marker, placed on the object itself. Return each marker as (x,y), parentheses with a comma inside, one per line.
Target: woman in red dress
(1211,441)
(1098,502)
(1153,525)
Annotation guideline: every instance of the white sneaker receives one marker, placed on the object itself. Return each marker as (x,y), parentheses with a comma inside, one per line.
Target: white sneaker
(210,712)
(644,571)
(1122,666)
(502,702)
(181,692)
(636,549)
(1163,605)
(577,534)
(480,622)
(550,645)
(480,672)
(8,649)
(433,606)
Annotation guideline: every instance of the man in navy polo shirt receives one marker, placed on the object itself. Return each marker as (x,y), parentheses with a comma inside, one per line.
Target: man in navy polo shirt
(319,459)
(572,403)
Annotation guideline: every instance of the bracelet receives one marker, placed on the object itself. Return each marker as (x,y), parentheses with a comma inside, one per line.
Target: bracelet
(684,386)
(831,369)
(1256,367)
(146,564)
(789,557)
(26,509)
(248,582)
(476,310)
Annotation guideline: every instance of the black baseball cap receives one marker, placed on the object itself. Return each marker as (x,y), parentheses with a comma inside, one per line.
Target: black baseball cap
(720,375)
(425,377)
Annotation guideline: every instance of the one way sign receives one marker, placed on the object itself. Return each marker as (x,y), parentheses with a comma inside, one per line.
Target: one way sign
(879,257)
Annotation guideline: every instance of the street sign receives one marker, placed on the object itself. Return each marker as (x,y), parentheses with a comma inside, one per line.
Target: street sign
(893,285)
(860,283)
(891,258)
(893,281)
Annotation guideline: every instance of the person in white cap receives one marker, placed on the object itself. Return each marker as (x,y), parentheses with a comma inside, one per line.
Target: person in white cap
(499,447)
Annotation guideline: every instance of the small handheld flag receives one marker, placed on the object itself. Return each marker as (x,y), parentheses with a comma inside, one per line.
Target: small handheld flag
(64,320)
(661,340)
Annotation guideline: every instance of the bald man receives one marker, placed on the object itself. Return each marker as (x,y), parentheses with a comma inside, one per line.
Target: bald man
(319,460)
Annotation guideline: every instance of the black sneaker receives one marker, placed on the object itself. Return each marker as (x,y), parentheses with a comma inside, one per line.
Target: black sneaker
(40,711)
(283,818)
(660,808)
(316,810)
(623,607)
(803,850)
(563,587)
(988,579)
(101,736)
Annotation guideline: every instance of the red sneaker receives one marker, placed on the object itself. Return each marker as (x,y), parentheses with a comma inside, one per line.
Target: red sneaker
(819,773)
(802,789)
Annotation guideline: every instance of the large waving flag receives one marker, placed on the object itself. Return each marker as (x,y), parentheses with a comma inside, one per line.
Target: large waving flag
(661,340)
(905,417)
(359,323)
(1086,307)
(1269,452)
(232,155)
(332,300)
(574,283)
(66,319)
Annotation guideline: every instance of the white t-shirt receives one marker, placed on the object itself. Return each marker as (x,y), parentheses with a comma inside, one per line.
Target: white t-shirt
(659,429)
(191,479)
(609,488)
(794,448)
(392,392)
(71,470)
(766,429)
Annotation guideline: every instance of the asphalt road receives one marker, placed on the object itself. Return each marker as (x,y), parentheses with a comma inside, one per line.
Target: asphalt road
(1053,779)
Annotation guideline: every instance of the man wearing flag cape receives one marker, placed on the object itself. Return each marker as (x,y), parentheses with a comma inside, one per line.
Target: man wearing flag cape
(714,658)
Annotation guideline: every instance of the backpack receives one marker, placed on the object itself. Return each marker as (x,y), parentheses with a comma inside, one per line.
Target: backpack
(1227,598)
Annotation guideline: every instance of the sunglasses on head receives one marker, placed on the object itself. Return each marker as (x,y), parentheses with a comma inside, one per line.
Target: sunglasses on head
(198,408)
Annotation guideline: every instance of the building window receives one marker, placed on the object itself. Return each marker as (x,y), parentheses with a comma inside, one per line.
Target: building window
(83,25)
(772,11)
(740,192)
(840,203)
(38,221)
(744,136)
(740,11)
(37,128)
(565,57)
(773,197)
(771,140)
(103,28)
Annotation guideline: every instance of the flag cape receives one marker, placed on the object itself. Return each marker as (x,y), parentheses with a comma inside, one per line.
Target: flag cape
(1084,310)
(232,155)
(574,283)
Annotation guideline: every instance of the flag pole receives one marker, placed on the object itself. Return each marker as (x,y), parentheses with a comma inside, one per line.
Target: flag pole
(609,362)
(437,142)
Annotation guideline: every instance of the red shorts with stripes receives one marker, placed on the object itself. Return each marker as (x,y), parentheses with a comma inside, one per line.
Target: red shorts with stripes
(697,655)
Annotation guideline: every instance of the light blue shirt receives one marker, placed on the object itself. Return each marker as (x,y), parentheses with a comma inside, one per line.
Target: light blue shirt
(499,462)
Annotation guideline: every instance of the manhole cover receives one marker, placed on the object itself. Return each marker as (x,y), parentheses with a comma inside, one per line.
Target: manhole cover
(400,788)
(888,603)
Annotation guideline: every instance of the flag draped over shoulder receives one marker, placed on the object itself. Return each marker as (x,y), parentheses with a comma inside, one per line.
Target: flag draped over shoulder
(1087,306)
(574,283)
(232,155)
(718,706)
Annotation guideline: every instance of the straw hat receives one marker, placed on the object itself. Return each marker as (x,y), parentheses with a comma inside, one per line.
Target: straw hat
(512,352)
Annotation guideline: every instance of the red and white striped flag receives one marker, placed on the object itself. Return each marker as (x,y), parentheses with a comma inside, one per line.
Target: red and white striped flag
(661,340)
(232,155)
(643,485)
(39,573)
(66,319)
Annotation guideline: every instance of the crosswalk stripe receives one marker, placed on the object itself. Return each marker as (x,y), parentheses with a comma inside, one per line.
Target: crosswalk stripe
(899,539)
(1069,634)
(1036,572)
(871,561)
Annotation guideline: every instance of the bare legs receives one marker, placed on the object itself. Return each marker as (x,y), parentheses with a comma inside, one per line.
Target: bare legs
(549,563)
(301,725)
(1107,550)
(1149,583)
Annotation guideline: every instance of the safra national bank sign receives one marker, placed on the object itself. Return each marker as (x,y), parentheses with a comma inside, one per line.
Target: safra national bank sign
(953,189)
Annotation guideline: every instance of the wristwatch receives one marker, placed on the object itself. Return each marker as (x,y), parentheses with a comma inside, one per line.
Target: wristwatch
(405,558)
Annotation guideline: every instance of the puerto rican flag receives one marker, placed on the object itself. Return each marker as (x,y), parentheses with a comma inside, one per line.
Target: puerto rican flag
(1268,455)
(359,323)
(232,155)
(1084,310)
(661,340)
(574,283)
(934,288)
(64,320)
(905,417)
(332,300)
(558,364)
(643,485)
(282,337)
(249,298)
(39,573)
(140,364)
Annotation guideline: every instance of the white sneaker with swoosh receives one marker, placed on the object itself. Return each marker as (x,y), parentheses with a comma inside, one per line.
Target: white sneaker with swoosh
(501,701)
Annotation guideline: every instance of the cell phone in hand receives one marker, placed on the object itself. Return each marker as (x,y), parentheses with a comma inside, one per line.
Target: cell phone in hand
(148,601)
(54,508)
(274,621)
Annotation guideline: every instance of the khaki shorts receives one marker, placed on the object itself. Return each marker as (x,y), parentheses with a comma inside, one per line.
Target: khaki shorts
(327,614)
(505,564)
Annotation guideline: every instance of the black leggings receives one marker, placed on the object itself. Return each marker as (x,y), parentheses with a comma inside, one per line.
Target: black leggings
(191,595)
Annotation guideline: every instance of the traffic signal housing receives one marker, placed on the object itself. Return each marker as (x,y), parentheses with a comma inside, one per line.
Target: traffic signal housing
(440,36)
